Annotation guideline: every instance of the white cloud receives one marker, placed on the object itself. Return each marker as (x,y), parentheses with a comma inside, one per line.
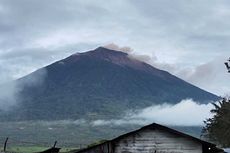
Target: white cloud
(10,91)
(9,96)
(185,113)
(61,122)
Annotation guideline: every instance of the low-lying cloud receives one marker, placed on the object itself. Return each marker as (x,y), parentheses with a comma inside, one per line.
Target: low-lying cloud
(186,113)
(10,91)
(61,122)
(34,79)
(8,95)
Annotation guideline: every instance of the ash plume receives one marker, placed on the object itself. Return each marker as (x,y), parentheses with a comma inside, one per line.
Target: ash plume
(113,46)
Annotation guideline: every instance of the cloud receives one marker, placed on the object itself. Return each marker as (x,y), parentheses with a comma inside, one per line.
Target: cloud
(185,33)
(10,96)
(178,114)
(199,75)
(61,122)
(185,113)
(36,78)
(211,76)
(17,63)
(114,46)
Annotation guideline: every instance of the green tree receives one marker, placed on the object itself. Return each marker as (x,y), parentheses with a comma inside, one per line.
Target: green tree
(217,128)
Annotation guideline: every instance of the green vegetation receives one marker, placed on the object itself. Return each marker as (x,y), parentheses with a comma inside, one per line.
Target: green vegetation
(21,149)
(218,128)
(33,149)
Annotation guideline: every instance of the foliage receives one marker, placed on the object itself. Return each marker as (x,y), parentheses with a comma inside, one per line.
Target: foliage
(217,128)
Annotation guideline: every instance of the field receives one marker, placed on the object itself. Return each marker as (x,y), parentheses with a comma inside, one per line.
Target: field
(36,136)
(30,149)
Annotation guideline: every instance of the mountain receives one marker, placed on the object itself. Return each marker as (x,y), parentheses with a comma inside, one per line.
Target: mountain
(98,84)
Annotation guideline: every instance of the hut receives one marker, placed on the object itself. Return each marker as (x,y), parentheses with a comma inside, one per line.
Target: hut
(154,138)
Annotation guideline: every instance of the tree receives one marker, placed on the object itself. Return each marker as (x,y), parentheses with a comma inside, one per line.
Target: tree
(217,128)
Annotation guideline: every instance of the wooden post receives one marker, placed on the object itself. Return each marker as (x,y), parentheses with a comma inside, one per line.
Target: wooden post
(55,144)
(5,144)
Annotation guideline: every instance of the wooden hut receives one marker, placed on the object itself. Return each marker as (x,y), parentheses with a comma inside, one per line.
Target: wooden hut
(154,138)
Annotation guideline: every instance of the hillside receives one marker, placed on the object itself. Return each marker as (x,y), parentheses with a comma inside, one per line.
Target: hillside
(98,84)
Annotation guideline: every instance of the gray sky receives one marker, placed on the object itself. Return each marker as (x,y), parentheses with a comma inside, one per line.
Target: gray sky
(187,38)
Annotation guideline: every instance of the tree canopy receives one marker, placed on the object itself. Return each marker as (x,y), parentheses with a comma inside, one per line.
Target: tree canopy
(217,128)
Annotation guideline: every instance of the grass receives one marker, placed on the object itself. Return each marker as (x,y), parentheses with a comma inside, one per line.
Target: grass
(21,149)
(33,149)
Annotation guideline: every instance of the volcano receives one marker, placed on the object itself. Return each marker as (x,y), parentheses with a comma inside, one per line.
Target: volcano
(99,84)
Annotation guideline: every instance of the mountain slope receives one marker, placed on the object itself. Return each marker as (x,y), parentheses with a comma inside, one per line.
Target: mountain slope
(98,84)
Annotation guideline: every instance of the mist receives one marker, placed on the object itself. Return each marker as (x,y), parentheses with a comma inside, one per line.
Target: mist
(185,113)
(10,96)
(34,79)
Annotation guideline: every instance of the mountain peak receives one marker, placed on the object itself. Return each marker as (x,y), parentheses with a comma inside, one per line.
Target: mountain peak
(115,57)
(105,53)
(100,52)
(107,50)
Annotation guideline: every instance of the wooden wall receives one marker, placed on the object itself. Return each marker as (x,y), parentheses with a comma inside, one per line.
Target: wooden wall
(157,141)
(149,141)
